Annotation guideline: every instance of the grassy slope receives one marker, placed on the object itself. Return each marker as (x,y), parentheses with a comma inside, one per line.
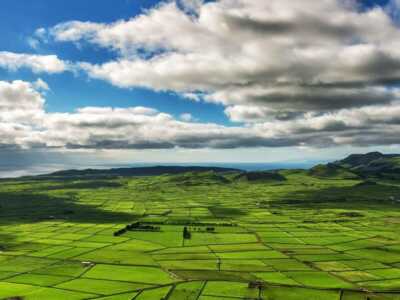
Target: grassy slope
(330,171)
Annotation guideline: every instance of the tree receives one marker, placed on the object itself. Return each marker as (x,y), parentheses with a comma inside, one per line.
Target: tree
(186,233)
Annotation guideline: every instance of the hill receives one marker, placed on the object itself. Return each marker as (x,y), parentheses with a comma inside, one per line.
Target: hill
(332,171)
(355,166)
(373,164)
(198,178)
(130,172)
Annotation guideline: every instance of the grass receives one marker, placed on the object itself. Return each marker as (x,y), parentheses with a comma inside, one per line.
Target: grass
(103,287)
(306,237)
(29,292)
(38,279)
(227,289)
(127,273)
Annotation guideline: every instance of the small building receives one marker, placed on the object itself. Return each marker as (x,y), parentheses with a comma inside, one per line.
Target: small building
(87,264)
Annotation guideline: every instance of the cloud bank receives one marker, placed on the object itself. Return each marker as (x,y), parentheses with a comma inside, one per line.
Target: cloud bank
(24,123)
(309,55)
(288,73)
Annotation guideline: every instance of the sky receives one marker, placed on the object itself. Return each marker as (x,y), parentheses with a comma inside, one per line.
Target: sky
(103,82)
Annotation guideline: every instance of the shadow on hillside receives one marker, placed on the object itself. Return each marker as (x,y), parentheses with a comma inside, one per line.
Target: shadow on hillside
(224,212)
(5,241)
(96,184)
(29,207)
(338,197)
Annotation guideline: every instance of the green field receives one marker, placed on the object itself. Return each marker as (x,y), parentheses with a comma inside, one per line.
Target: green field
(305,237)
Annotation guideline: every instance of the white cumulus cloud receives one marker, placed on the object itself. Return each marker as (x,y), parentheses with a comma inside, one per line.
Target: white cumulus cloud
(37,63)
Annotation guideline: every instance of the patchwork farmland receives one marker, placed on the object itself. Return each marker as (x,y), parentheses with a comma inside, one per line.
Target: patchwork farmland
(199,236)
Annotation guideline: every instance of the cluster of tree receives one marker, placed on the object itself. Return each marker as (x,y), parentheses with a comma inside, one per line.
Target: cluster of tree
(137,226)
(257,285)
(186,233)
(207,229)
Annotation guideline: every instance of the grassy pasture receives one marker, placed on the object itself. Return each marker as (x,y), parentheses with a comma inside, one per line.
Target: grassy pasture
(301,238)
(129,273)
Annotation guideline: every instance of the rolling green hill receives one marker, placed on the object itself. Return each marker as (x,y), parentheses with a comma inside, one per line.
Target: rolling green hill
(332,171)
(129,172)
(374,164)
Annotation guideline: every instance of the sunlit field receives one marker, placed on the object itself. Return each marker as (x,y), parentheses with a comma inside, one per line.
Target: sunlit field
(293,236)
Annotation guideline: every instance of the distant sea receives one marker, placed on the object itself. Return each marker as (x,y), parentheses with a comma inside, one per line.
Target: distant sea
(11,171)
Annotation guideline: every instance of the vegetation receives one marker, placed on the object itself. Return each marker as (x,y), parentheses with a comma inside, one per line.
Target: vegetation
(261,176)
(374,164)
(202,235)
(331,171)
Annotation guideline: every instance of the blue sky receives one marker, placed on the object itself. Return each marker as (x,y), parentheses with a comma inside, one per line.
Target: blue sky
(219,80)
(19,20)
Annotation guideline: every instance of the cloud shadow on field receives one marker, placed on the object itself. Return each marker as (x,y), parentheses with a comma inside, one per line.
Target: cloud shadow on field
(25,207)
(350,197)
